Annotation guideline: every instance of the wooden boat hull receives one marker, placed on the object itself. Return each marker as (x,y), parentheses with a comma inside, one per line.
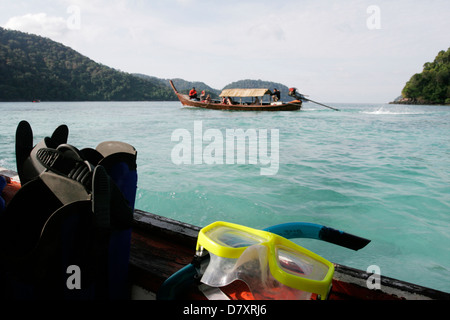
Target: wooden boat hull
(161,246)
(185,101)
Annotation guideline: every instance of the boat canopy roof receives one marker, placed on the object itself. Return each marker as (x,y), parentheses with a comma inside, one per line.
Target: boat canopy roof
(244,92)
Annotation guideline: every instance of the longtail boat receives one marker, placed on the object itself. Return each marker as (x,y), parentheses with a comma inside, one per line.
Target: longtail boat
(161,246)
(257,105)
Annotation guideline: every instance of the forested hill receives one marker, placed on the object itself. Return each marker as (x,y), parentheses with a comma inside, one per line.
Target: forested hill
(244,84)
(432,86)
(184,86)
(33,67)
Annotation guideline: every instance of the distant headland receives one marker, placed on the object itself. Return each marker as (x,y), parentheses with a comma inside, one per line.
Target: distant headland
(431,86)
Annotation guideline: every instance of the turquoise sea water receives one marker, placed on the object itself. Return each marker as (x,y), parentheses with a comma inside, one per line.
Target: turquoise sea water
(375,170)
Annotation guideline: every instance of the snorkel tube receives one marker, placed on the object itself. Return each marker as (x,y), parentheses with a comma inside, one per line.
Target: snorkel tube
(296,230)
(188,276)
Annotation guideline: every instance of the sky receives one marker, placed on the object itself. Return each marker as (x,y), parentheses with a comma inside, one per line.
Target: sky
(347,51)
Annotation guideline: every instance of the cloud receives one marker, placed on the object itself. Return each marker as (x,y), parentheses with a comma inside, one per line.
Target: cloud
(39,23)
(185,2)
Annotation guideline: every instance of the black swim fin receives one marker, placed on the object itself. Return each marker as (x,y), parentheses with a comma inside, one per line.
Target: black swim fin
(78,208)
(60,135)
(27,166)
(101,198)
(24,145)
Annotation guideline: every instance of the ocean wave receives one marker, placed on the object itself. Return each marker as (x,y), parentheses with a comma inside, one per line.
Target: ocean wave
(384,111)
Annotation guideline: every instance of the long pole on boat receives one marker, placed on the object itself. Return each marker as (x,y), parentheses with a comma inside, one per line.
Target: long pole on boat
(293,93)
(322,104)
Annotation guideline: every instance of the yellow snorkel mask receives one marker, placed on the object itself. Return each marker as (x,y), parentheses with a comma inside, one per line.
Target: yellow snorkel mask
(273,267)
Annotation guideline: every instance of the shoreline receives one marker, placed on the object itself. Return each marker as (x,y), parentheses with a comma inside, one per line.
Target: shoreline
(407,101)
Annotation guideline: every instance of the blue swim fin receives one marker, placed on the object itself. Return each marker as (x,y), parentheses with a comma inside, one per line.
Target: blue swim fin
(119,161)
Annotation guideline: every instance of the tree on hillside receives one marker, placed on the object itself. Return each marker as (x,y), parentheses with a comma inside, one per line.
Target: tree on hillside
(432,86)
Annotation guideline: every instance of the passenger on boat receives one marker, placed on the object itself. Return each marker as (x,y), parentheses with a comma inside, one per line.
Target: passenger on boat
(275,95)
(193,94)
(230,101)
(208,99)
(202,96)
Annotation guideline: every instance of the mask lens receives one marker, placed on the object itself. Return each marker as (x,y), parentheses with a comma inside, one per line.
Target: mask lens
(233,238)
(301,265)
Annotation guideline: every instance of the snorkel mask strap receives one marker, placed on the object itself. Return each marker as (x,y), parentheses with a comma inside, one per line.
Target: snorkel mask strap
(184,279)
